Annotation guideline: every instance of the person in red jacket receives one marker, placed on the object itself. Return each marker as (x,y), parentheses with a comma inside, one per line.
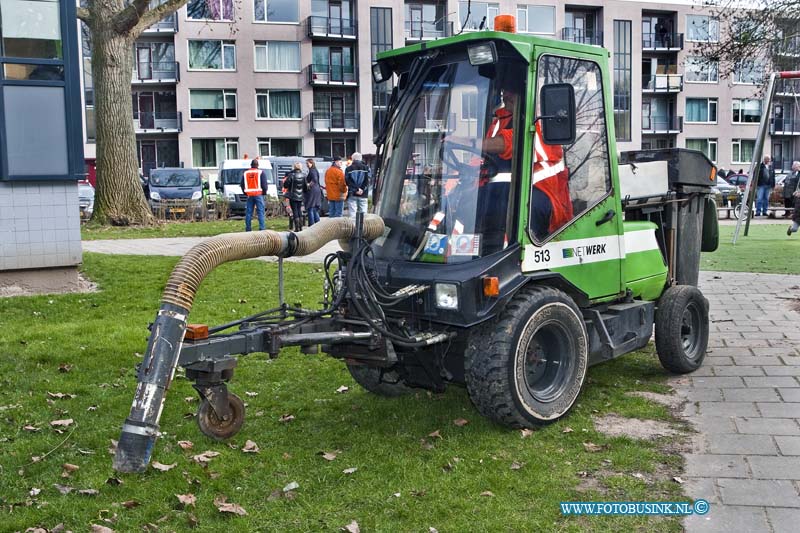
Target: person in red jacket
(551,205)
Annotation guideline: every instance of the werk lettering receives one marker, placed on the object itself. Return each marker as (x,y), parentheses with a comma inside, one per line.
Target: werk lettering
(582,251)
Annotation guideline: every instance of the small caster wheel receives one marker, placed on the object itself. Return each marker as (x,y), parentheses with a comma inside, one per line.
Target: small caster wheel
(214,427)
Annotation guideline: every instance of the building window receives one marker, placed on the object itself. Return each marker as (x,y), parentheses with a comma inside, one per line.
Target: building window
(277,56)
(210,10)
(333,147)
(748,72)
(699,70)
(702,28)
(212,55)
(536,19)
(701,110)
(209,153)
(272,147)
(277,104)
(622,79)
(31,29)
(380,20)
(478,12)
(276,10)
(746,111)
(742,150)
(216,104)
(707,146)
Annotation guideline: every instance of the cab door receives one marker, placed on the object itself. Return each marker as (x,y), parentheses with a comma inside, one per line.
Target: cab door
(574,218)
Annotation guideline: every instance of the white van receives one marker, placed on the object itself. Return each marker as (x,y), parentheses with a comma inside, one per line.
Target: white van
(230,178)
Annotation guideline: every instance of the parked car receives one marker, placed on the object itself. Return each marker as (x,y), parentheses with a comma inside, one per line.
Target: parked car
(740,180)
(176,191)
(725,192)
(229,179)
(86,199)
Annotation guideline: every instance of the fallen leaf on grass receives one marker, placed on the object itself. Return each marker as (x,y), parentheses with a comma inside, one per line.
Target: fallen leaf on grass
(425,444)
(113,481)
(223,506)
(205,457)
(89,492)
(342,389)
(113,448)
(68,469)
(487,493)
(678,480)
(567,430)
(185,444)
(191,520)
(251,394)
(250,447)
(162,467)
(101,529)
(460,422)
(186,499)
(516,466)
(591,447)
(329,456)
(190,399)
(286,418)
(92,408)
(433,530)
(349,470)
(130,504)
(526,433)
(34,491)
(435,434)
(60,395)
(64,368)
(352,527)
(62,423)
(63,489)
(294,485)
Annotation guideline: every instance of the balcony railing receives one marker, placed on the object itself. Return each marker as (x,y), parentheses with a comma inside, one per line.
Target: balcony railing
(155,71)
(662,124)
(341,28)
(426,31)
(435,125)
(790,46)
(157,121)
(334,121)
(167,25)
(582,36)
(664,42)
(783,126)
(787,87)
(332,74)
(662,83)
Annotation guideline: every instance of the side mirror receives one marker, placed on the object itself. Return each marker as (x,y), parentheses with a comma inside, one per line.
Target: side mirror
(218,185)
(557,104)
(205,185)
(381,71)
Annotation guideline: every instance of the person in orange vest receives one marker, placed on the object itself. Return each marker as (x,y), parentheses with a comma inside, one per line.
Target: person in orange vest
(254,185)
(551,204)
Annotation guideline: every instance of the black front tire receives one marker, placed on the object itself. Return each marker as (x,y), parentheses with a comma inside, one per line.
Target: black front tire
(528,369)
(682,329)
(382,382)
(214,427)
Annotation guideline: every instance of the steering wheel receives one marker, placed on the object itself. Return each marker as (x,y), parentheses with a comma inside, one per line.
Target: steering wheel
(491,163)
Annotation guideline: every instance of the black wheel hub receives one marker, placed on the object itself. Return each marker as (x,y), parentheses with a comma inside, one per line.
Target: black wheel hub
(691,325)
(547,364)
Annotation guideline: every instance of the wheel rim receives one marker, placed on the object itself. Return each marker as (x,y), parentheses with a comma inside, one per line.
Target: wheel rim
(548,365)
(691,327)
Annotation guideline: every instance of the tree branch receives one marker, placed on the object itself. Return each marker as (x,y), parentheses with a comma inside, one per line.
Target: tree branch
(83,14)
(153,15)
(125,20)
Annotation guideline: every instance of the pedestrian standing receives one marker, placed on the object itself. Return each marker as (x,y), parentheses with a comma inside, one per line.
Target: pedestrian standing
(295,184)
(335,188)
(766,182)
(313,194)
(254,186)
(357,177)
(789,187)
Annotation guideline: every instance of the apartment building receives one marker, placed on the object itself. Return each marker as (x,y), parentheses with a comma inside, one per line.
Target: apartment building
(227,78)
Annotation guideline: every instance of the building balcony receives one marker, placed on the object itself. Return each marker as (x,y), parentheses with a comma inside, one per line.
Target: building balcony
(783,126)
(166,26)
(661,125)
(157,122)
(789,47)
(787,87)
(662,42)
(662,83)
(582,36)
(334,122)
(418,31)
(155,72)
(330,28)
(345,75)
(435,125)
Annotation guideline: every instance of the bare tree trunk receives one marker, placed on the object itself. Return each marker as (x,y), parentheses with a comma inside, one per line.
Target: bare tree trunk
(119,200)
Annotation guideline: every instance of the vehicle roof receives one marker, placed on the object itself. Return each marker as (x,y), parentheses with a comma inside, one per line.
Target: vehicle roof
(165,169)
(263,163)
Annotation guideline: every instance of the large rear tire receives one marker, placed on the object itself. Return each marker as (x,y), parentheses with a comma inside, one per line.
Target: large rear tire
(383,382)
(682,329)
(528,369)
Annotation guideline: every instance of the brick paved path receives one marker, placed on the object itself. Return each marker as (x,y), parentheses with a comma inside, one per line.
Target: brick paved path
(745,403)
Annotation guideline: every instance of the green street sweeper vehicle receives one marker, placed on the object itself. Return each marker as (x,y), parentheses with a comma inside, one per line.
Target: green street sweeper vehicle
(510,248)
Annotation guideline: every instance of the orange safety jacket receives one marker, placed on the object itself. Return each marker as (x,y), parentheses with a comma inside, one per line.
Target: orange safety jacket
(551,176)
(252,182)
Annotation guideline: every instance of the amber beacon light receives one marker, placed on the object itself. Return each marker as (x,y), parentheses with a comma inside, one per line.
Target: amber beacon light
(505,23)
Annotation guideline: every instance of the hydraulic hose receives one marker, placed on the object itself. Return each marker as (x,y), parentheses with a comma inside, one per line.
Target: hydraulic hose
(140,430)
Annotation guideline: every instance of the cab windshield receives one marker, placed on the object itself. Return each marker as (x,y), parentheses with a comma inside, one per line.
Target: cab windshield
(447,168)
(175,178)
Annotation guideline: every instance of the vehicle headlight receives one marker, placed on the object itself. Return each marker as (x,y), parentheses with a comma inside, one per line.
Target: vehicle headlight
(154,195)
(196,195)
(231,197)
(446,296)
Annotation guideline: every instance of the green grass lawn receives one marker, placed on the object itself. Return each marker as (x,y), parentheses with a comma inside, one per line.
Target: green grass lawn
(766,249)
(90,231)
(399,485)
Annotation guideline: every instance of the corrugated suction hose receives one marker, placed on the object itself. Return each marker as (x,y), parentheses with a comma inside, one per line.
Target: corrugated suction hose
(140,430)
